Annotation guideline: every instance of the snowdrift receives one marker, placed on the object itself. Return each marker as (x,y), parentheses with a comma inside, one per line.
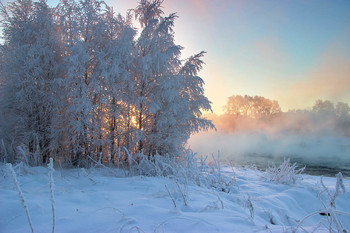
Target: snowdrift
(98,200)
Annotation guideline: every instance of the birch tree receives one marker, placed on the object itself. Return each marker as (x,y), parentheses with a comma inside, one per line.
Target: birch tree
(32,57)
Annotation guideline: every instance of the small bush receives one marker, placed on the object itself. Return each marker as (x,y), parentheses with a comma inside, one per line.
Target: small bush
(187,168)
(286,173)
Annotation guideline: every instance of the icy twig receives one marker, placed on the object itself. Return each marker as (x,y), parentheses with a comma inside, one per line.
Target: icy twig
(320,212)
(23,153)
(129,160)
(20,193)
(5,151)
(330,210)
(250,206)
(170,195)
(182,193)
(118,157)
(52,189)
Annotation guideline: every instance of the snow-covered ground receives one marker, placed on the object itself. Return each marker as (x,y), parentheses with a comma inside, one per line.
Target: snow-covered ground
(96,200)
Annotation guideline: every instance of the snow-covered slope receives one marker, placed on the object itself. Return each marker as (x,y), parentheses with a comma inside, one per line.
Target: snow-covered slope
(96,200)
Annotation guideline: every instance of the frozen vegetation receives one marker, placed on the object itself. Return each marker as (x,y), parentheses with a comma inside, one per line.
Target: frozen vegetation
(190,195)
(78,82)
(96,110)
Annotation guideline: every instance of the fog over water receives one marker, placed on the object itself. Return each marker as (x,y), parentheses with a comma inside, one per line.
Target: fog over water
(318,139)
(323,155)
(254,130)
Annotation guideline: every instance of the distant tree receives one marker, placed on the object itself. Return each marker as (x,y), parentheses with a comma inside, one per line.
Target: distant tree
(234,105)
(256,107)
(265,108)
(323,107)
(342,110)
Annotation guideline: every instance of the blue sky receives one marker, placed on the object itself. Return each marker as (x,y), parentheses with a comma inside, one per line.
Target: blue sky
(291,51)
(294,51)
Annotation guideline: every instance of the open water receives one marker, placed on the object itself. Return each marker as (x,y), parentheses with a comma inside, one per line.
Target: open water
(321,167)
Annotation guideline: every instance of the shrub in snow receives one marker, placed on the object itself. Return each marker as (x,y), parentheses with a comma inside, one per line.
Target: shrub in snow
(154,165)
(20,193)
(215,179)
(188,168)
(286,173)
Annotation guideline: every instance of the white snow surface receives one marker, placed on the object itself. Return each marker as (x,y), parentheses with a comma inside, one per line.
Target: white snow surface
(96,200)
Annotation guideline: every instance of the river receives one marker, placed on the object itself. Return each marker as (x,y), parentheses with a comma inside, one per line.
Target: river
(321,154)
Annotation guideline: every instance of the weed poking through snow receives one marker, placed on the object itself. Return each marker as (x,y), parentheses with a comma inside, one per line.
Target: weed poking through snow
(330,211)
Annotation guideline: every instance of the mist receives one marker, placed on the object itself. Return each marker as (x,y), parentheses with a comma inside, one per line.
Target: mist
(237,145)
(316,138)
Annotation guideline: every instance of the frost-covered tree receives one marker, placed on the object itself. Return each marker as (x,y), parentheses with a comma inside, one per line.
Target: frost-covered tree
(156,65)
(66,15)
(99,66)
(193,98)
(77,82)
(170,97)
(31,65)
(114,57)
(83,94)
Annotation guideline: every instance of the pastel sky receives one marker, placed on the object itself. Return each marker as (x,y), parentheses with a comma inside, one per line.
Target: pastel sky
(293,51)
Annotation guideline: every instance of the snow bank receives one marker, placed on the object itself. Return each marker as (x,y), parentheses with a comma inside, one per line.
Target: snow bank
(96,200)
